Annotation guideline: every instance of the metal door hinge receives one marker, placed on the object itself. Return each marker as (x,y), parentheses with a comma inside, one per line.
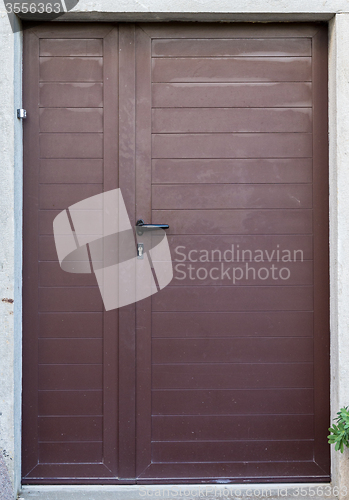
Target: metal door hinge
(21,114)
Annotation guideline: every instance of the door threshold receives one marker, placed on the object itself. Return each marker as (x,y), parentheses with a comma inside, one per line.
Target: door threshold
(274,491)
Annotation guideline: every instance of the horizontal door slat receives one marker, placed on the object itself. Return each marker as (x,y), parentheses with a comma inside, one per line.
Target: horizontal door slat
(258,145)
(227,196)
(53,145)
(252,324)
(65,351)
(70,325)
(70,47)
(225,95)
(70,403)
(275,401)
(70,377)
(191,428)
(241,171)
(232,376)
(231,69)
(291,221)
(195,120)
(231,47)
(70,428)
(56,196)
(237,451)
(83,452)
(51,275)
(46,218)
(307,471)
(70,171)
(71,69)
(71,120)
(231,298)
(70,299)
(234,350)
(214,30)
(71,95)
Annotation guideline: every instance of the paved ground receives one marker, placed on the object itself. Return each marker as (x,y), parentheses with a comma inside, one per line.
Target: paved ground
(6,492)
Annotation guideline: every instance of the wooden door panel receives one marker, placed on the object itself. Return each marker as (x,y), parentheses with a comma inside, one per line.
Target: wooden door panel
(216,95)
(207,375)
(217,196)
(70,429)
(70,426)
(71,95)
(238,350)
(235,163)
(208,222)
(71,69)
(71,47)
(221,171)
(232,145)
(230,324)
(71,145)
(74,452)
(70,403)
(71,120)
(184,120)
(81,377)
(76,326)
(221,132)
(220,427)
(244,451)
(270,69)
(231,47)
(69,171)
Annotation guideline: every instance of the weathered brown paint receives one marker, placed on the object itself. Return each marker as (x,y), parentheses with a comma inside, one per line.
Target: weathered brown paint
(221,132)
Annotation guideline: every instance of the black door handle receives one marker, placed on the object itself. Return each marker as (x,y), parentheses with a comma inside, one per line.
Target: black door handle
(142,224)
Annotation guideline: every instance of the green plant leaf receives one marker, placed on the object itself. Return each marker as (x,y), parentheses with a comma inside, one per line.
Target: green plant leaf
(339,432)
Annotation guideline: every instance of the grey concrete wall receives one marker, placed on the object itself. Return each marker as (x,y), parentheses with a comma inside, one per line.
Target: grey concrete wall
(240,10)
(10,248)
(337,11)
(339,226)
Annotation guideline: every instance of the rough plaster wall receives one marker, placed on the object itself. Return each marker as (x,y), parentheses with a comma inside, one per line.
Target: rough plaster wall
(238,6)
(10,259)
(339,206)
(11,188)
(6,490)
(18,208)
(332,91)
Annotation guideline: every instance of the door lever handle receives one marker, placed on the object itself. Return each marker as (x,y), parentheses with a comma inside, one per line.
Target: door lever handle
(142,224)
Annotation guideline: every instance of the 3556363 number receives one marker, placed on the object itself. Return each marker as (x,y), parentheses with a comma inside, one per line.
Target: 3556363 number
(320,491)
(33,8)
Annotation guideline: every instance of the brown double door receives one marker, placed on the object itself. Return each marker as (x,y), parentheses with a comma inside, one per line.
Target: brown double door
(219,131)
